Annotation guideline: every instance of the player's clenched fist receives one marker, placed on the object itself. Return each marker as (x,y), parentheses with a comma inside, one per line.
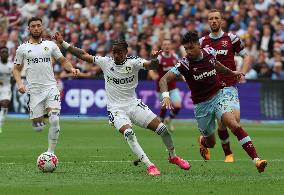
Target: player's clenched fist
(22,88)
(75,72)
(58,37)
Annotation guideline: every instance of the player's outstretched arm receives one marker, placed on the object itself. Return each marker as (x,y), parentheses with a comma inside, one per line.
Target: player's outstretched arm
(221,68)
(169,76)
(17,76)
(154,63)
(79,53)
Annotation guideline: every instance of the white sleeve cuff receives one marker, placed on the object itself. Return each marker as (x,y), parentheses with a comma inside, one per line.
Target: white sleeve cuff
(65,45)
(166,94)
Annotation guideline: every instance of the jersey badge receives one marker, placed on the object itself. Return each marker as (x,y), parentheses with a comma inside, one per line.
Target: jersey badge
(224,43)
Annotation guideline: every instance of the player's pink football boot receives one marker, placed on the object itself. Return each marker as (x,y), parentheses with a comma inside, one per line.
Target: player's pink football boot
(183,164)
(153,170)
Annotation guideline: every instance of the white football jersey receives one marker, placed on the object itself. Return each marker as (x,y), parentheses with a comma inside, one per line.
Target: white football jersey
(37,61)
(121,80)
(5,74)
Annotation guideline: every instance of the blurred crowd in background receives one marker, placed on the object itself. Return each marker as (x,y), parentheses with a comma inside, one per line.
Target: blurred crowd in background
(93,24)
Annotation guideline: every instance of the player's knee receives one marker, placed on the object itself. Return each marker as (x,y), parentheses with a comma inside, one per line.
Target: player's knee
(129,134)
(162,130)
(38,126)
(53,117)
(234,126)
(210,143)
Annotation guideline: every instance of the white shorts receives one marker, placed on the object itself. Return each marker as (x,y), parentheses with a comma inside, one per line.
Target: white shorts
(5,93)
(39,102)
(138,113)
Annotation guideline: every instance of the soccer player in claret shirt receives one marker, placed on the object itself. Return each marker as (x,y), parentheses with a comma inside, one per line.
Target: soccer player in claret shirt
(226,46)
(35,57)
(199,69)
(167,60)
(121,80)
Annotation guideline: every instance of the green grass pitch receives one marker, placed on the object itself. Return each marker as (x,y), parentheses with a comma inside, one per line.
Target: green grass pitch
(95,159)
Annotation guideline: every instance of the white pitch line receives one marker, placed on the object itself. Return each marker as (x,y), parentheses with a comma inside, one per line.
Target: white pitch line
(130,161)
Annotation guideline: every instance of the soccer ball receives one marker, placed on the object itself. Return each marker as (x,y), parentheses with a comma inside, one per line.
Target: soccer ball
(47,162)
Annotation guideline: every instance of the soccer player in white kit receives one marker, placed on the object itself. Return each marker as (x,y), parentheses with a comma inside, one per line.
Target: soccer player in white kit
(5,84)
(121,80)
(35,56)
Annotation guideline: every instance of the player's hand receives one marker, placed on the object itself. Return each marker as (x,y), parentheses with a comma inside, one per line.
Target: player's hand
(58,37)
(239,76)
(155,53)
(166,103)
(22,88)
(75,72)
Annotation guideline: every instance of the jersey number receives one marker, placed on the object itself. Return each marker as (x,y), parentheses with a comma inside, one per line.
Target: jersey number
(57,98)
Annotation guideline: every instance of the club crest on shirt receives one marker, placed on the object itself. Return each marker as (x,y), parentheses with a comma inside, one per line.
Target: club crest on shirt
(224,43)
(195,69)
(46,49)
(126,69)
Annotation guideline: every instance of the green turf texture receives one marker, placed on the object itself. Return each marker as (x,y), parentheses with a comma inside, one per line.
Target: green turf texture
(95,159)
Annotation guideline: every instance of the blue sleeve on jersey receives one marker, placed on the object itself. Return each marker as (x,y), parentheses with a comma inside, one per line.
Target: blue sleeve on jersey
(213,52)
(175,71)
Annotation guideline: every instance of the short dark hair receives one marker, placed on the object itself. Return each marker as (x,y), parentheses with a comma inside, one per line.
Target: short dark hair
(34,19)
(120,42)
(190,37)
(4,48)
(216,10)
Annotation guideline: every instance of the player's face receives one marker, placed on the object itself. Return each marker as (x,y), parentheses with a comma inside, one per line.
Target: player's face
(166,46)
(119,54)
(36,29)
(4,54)
(192,50)
(215,21)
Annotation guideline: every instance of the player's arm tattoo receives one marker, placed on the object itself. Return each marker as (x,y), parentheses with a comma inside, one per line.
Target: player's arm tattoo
(223,69)
(163,83)
(81,54)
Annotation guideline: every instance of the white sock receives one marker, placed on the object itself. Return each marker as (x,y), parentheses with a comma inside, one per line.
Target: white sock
(131,139)
(54,129)
(3,113)
(255,159)
(167,139)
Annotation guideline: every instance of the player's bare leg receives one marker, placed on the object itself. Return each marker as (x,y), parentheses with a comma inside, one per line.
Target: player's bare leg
(131,139)
(173,113)
(157,126)
(163,114)
(4,104)
(230,121)
(205,143)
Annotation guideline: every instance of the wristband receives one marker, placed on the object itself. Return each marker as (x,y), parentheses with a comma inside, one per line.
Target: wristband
(166,94)
(65,45)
